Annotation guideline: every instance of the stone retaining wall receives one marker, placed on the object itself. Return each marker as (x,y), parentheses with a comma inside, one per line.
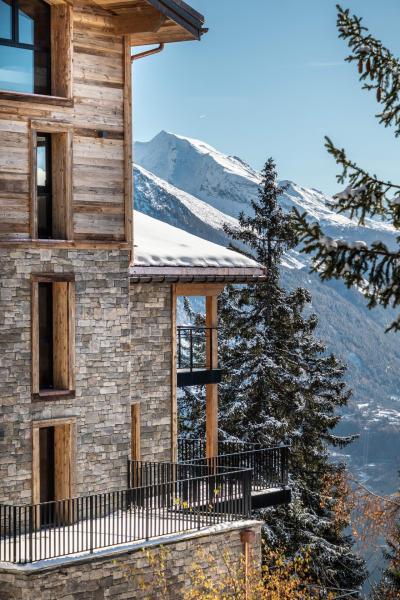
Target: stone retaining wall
(119,578)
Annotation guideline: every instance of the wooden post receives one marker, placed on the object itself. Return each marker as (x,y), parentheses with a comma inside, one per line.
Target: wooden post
(212,389)
(174,402)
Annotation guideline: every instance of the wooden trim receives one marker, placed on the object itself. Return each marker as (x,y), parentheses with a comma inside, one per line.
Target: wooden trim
(198,289)
(63,336)
(51,395)
(36,99)
(51,277)
(61,49)
(174,401)
(135,431)
(69,460)
(212,389)
(128,164)
(35,338)
(62,148)
(64,244)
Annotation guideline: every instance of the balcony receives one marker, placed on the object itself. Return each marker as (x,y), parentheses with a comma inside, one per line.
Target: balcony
(269,466)
(197,356)
(161,499)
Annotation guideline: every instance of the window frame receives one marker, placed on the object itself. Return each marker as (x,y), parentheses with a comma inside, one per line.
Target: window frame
(69,391)
(61,187)
(61,57)
(15,43)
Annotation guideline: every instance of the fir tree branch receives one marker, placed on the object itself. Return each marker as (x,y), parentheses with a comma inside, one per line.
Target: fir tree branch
(376,64)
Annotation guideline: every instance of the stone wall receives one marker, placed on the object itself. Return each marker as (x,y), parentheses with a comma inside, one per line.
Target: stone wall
(151,366)
(119,578)
(102,403)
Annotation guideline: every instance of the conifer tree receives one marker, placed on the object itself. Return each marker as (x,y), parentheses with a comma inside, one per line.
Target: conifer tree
(373,268)
(281,386)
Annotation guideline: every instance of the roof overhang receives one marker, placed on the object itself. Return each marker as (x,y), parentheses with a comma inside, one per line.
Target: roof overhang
(196,275)
(154,21)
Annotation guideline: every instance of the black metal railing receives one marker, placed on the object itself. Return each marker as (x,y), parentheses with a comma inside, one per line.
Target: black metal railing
(195,348)
(195,448)
(173,499)
(270,466)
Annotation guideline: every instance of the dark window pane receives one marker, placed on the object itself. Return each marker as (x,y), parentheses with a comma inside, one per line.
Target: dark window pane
(26,28)
(16,69)
(5,19)
(24,69)
(45,335)
(44,187)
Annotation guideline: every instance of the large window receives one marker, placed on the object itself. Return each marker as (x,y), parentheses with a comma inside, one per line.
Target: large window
(25,64)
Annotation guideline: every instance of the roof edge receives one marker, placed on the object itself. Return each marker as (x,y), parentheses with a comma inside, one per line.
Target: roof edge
(197,275)
(182,14)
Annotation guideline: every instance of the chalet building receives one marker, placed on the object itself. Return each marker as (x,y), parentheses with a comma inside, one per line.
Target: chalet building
(92,468)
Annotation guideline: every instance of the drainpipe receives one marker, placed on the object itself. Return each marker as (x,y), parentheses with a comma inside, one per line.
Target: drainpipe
(159,48)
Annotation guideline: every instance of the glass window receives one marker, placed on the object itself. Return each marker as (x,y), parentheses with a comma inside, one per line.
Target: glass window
(25,46)
(5,19)
(44,188)
(16,69)
(26,28)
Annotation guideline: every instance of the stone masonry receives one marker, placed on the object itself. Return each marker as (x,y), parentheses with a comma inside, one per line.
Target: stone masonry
(102,403)
(119,577)
(151,366)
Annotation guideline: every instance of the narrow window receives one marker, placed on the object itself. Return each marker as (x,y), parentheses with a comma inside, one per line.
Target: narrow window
(44,186)
(25,39)
(46,380)
(52,337)
(51,184)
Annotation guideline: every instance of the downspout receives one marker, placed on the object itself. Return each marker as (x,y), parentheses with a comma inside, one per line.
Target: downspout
(134,57)
(159,48)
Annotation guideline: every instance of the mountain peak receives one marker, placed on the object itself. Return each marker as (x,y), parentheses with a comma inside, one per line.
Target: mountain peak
(196,167)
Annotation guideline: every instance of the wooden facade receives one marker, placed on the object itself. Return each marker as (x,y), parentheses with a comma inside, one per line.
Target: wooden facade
(92,134)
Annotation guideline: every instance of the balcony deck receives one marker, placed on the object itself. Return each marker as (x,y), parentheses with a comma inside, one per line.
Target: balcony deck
(172,499)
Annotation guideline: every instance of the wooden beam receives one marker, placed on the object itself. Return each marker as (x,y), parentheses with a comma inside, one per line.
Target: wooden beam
(61,342)
(198,289)
(174,401)
(128,171)
(139,23)
(212,389)
(135,431)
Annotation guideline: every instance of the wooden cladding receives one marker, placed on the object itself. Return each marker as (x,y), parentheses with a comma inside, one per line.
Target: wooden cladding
(53,336)
(89,121)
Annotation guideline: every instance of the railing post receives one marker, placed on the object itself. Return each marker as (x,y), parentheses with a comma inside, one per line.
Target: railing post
(146,503)
(191,349)
(30,532)
(91,523)
(14,534)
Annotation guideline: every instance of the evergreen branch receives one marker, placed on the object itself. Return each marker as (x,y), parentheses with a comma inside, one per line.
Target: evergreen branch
(375,269)
(366,194)
(375,64)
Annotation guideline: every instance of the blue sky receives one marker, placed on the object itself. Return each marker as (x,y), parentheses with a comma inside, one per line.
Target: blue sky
(269,79)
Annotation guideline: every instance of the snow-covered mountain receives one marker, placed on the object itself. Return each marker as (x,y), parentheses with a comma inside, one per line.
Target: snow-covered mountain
(189,184)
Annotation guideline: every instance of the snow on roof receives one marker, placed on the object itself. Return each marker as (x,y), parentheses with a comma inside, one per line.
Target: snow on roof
(158,245)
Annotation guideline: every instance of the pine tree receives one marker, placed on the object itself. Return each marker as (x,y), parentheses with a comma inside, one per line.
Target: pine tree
(374,268)
(281,386)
